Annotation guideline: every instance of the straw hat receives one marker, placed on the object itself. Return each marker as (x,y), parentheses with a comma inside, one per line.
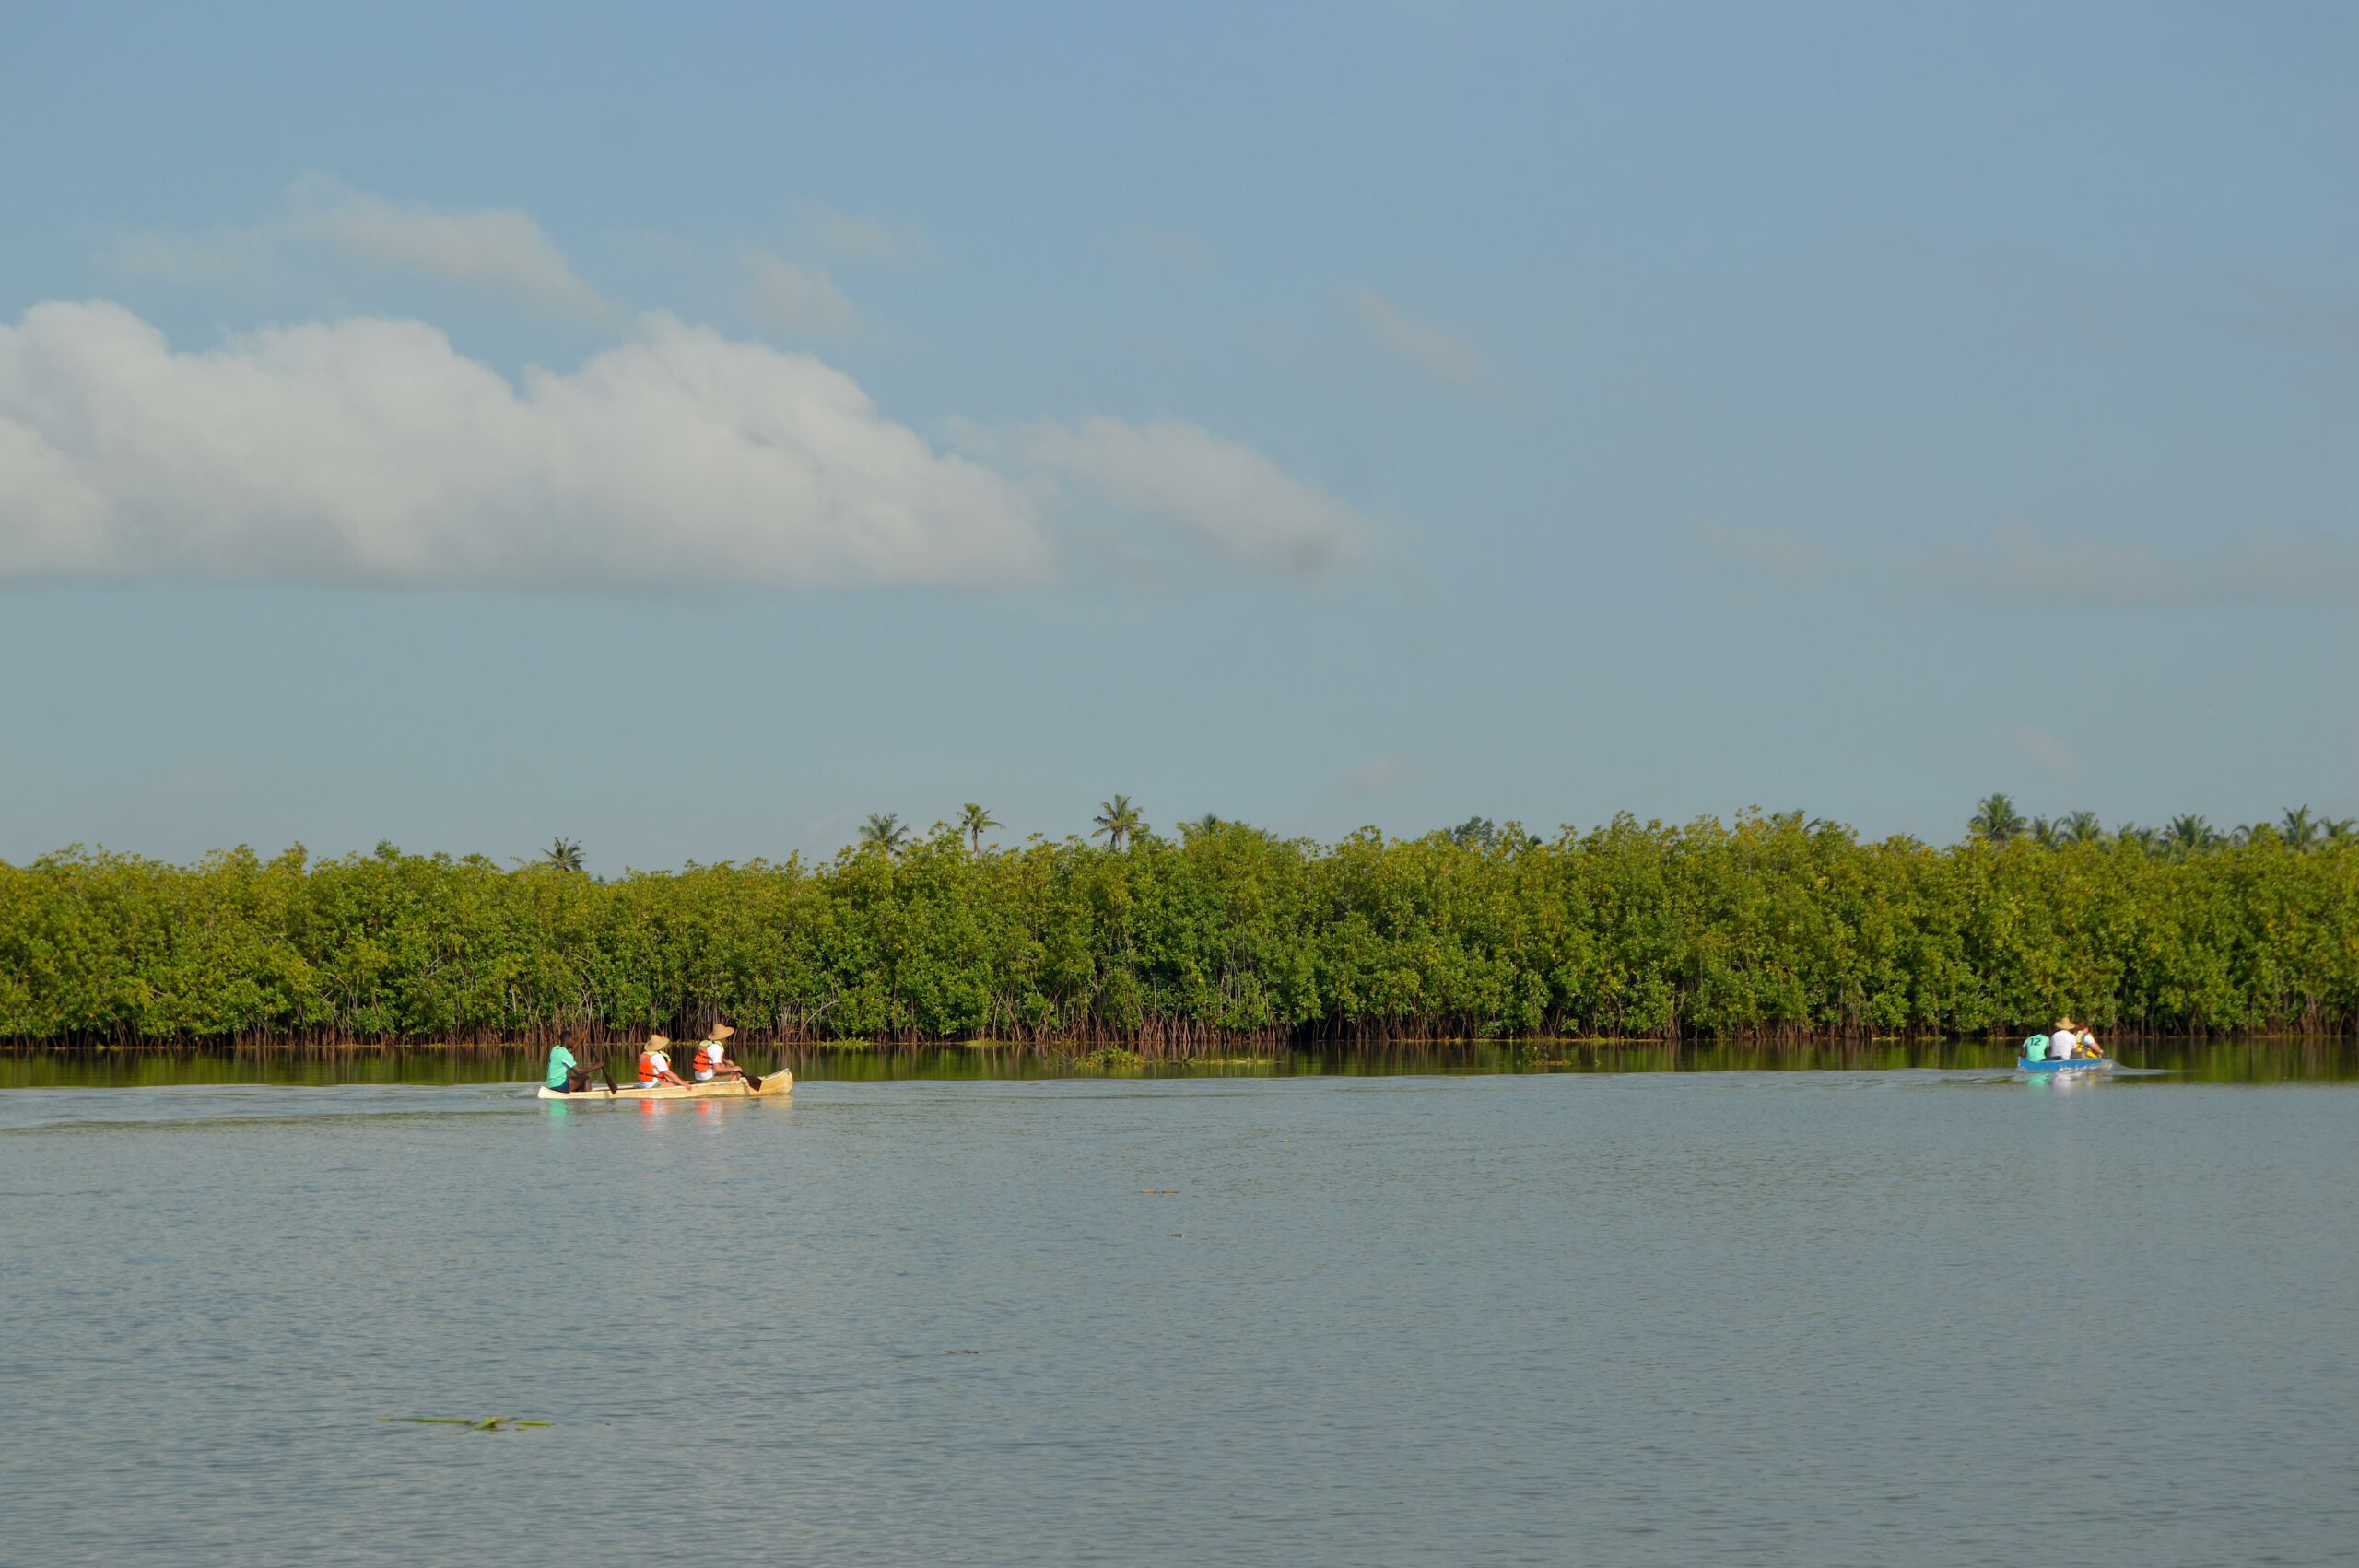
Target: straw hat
(657,1042)
(719,1032)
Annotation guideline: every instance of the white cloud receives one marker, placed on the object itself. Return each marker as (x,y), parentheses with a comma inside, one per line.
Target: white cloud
(1169,247)
(2017,566)
(2306,320)
(500,250)
(2043,751)
(801,300)
(214,257)
(857,239)
(371,452)
(1442,355)
(1225,493)
(1761,554)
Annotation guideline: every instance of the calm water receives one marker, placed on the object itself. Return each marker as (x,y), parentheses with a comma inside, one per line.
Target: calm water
(1834,1316)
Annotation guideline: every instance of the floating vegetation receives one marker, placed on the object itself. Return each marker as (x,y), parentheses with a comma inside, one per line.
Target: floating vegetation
(486,1423)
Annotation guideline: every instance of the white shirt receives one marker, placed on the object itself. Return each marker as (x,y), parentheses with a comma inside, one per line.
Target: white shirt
(2059,1044)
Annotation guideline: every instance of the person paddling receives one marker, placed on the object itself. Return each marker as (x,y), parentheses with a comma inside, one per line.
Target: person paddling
(655,1064)
(712,1057)
(2068,1041)
(566,1075)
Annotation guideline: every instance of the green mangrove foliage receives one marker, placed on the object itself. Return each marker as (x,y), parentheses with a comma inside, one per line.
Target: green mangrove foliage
(1775,927)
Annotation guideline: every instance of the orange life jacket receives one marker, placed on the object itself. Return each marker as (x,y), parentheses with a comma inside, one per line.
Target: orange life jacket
(709,1055)
(648,1069)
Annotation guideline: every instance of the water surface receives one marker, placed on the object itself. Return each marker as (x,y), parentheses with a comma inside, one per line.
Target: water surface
(1925,1314)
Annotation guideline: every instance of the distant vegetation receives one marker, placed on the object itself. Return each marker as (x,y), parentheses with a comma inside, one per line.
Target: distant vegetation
(1996,821)
(1778,926)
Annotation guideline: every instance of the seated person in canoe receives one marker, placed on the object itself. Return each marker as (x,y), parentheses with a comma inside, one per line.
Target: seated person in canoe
(565,1073)
(2065,1041)
(711,1059)
(2069,1040)
(655,1064)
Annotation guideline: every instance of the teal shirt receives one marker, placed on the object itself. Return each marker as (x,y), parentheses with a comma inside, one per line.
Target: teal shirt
(2035,1048)
(560,1063)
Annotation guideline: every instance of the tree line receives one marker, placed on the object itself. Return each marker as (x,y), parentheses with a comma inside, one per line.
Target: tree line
(1996,821)
(1774,927)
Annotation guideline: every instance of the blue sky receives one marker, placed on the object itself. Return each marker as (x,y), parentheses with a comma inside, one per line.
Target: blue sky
(690,429)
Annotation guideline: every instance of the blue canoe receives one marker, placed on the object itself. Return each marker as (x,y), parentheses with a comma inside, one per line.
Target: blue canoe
(2070,1064)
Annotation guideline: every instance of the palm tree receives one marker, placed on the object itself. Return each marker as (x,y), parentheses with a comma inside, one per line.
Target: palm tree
(1476,833)
(2082,827)
(883,830)
(1208,823)
(973,821)
(565,854)
(2342,830)
(2046,834)
(1117,819)
(2129,835)
(2186,834)
(2299,829)
(1996,821)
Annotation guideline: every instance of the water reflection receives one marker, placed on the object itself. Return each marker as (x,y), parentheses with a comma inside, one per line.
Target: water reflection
(2063,1082)
(2251,1060)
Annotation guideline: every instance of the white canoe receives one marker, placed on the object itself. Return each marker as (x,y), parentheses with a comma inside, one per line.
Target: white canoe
(774,1085)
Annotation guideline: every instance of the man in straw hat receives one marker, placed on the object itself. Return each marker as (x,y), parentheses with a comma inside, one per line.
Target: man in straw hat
(655,1064)
(712,1057)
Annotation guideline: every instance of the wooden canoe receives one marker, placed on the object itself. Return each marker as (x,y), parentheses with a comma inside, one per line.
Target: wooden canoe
(774,1085)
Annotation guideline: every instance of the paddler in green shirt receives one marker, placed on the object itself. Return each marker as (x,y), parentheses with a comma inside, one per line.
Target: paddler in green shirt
(565,1073)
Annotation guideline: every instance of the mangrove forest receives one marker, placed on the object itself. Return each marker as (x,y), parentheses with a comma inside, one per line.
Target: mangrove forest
(1773,927)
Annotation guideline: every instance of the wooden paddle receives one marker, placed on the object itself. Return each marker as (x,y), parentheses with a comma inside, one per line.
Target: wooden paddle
(608,1074)
(748,1073)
